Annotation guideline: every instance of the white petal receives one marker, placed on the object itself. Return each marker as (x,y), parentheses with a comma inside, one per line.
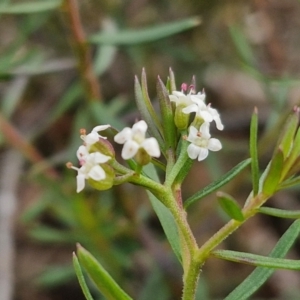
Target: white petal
(193,151)
(199,100)
(98,158)
(205,115)
(219,124)
(97,173)
(82,152)
(204,130)
(100,128)
(191,108)
(130,149)
(140,127)
(203,153)
(214,145)
(173,98)
(91,138)
(178,94)
(192,134)
(123,135)
(151,146)
(80,178)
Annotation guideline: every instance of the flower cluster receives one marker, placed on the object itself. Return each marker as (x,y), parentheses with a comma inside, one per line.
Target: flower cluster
(199,136)
(96,156)
(91,163)
(96,153)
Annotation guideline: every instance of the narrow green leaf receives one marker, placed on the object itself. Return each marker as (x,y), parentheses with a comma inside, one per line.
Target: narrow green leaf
(230,206)
(271,181)
(290,183)
(105,283)
(81,279)
(172,80)
(137,36)
(50,235)
(257,260)
(291,161)
(164,215)
(55,275)
(286,139)
(146,110)
(281,213)
(218,183)
(243,47)
(30,7)
(148,103)
(253,152)
(260,275)
(169,129)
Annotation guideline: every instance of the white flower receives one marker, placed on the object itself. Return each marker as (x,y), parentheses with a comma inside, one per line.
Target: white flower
(93,136)
(90,167)
(205,112)
(201,142)
(134,139)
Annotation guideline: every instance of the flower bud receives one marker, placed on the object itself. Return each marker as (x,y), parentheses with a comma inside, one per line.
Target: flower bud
(142,157)
(181,119)
(103,146)
(105,183)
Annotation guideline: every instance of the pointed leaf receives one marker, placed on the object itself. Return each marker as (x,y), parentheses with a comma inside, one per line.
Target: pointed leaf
(230,206)
(81,279)
(169,129)
(259,276)
(164,215)
(105,283)
(290,183)
(281,213)
(273,175)
(29,7)
(146,110)
(257,260)
(137,36)
(253,152)
(286,139)
(218,183)
(172,81)
(291,161)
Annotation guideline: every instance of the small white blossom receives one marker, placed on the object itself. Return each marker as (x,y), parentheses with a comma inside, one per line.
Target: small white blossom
(134,139)
(90,167)
(93,136)
(201,142)
(205,112)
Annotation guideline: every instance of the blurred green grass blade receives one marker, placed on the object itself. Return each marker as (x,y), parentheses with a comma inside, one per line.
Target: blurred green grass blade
(106,113)
(138,36)
(281,213)
(105,283)
(272,178)
(105,54)
(50,235)
(13,95)
(218,183)
(55,276)
(81,279)
(257,260)
(164,215)
(243,47)
(230,206)
(30,7)
(253,152)
(260,275)
(155,282)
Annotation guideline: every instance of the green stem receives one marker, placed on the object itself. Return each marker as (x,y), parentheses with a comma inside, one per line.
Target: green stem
(181,161)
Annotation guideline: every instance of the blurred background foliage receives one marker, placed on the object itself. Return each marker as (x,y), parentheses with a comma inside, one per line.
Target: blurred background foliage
(244,53)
